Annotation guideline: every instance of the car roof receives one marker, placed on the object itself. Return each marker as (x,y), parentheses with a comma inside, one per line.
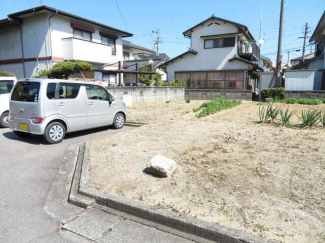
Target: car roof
(45,80)
(8,78)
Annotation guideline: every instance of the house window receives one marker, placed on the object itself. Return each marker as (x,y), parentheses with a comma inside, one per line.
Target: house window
(126,56)
(109,42)
(220,43)
(81,34)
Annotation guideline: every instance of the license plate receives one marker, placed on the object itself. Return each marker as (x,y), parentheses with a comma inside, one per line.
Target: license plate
(23,127)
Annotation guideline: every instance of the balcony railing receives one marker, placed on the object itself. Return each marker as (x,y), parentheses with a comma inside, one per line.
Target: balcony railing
(76,49)
(249,50)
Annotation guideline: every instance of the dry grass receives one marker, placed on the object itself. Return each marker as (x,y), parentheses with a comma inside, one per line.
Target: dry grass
(232,171)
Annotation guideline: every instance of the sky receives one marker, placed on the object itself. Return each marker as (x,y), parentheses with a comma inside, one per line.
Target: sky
(173,17)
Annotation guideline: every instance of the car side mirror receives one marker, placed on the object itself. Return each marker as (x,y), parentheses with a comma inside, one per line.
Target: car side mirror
(110,99)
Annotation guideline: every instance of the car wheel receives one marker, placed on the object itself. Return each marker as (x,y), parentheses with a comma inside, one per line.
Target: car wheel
(4,120)
(119,121)
(54,133)
(22,134)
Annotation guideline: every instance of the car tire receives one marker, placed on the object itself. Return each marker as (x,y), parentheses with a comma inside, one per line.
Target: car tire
(119,121)
(4,120)
(22,134)
(54,133)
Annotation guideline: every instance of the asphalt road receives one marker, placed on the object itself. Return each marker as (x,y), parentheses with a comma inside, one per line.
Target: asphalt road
(27,170)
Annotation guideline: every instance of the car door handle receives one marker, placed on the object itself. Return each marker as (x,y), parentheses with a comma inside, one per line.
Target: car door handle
(91,104)
(61,104)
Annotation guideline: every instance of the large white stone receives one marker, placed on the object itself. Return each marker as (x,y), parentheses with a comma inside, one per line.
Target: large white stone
(161,166)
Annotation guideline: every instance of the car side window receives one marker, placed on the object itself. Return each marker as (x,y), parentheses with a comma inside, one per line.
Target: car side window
(68,91)
(50,92)
(96,93)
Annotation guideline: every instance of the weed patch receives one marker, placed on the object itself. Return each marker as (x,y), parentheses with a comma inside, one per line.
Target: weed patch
(215,106)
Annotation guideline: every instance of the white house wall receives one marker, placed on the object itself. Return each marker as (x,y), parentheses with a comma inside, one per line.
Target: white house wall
(82,50)
(208,59)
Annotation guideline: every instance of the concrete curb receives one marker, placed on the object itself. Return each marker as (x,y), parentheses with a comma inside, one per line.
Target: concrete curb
(57,205)
(74,196)
(186,225)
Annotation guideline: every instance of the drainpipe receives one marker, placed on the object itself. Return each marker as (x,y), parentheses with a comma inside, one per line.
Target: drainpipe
(50,36)
(22,47)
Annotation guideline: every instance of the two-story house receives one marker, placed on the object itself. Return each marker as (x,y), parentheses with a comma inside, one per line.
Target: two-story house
(318,62)
(36,39)
(223,55)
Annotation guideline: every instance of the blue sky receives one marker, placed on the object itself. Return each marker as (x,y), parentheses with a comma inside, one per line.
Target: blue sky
(172,17)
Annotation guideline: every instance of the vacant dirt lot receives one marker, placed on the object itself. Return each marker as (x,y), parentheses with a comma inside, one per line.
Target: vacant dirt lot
(262,179)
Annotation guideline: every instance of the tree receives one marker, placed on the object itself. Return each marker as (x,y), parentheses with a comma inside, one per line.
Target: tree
(63,70)
(4,73)
(145,78)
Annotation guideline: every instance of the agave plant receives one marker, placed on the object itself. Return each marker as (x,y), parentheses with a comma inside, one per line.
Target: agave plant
(310,118)
(261,113)
(273,113)
(322,119)
(286,116)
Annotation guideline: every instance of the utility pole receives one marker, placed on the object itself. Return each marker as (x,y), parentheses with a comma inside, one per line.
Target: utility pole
(279,56)
(261,20)
(304,47)
(158,41)
(289,55)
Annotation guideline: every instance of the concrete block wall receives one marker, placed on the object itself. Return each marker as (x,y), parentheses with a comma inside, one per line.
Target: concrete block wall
(208,94)
(315,94)
(148,94)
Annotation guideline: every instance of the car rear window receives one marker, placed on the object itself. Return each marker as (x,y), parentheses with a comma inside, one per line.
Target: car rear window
(6,86)
(26,92)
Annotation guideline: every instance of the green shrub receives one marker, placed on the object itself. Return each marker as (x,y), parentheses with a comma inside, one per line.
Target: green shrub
(285,117)
(215,106)
(168,101)
(303,101)
(176,82)
(187,100)
(310,101)
(292,100)
(310,118)
(63,70)
(275,93)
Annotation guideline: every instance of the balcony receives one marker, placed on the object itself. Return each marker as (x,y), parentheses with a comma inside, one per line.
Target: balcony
(76,49)
(248,50)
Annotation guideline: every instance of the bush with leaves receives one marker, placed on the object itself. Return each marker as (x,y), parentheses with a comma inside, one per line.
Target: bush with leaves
(146,78)
(292,100)
(6,74)
(63,70)
(275,93)
(215,106)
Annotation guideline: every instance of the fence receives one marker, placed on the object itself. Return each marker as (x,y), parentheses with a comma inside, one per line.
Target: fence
(209,94)
(148,94)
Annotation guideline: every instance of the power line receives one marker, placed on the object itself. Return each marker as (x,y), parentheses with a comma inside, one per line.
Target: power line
(121,15)
(16,4)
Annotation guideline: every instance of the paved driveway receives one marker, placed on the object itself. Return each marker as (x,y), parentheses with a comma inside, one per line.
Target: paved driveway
(27,170)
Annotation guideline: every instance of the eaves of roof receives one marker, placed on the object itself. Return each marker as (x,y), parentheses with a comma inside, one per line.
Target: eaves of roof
(213,17)
(65,14)
(190,51)
(246,61)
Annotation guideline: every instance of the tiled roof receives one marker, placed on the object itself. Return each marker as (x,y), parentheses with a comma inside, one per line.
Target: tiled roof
(134,46)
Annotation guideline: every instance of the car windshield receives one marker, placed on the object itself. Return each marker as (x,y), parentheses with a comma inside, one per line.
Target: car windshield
(6,86)
(26,92)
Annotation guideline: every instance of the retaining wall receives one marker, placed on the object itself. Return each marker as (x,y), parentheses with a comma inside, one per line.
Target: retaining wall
(148,94)
(315,94)
(210,94)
